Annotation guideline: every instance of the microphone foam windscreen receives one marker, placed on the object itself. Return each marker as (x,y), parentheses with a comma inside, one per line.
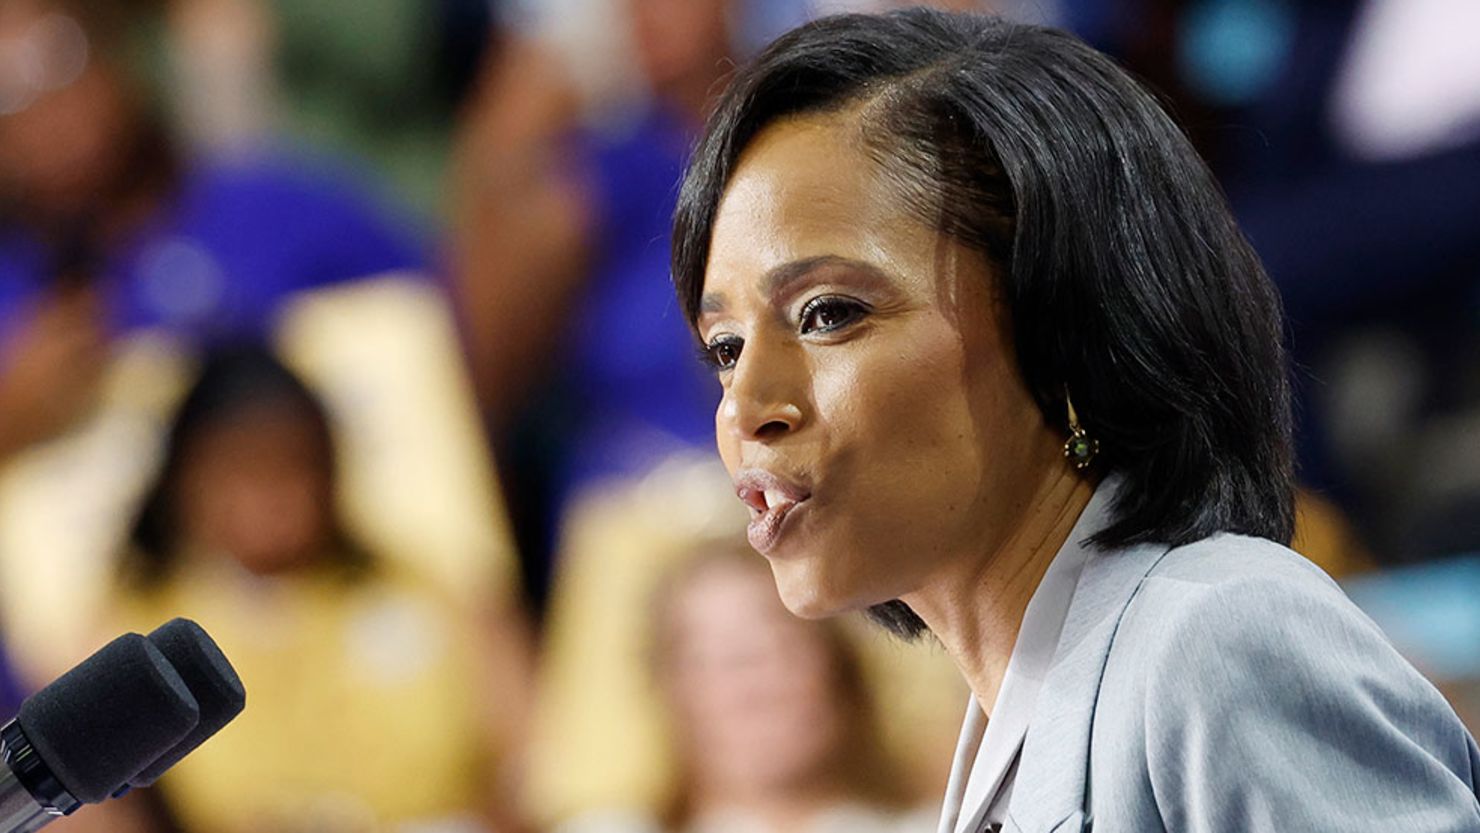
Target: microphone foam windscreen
(209,676)
(99,724)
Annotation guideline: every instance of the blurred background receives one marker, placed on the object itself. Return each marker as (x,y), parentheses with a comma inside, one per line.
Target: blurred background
(343,326)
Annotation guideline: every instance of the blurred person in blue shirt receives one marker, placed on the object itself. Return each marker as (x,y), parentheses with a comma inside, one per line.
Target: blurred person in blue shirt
(105,228)
(584,364)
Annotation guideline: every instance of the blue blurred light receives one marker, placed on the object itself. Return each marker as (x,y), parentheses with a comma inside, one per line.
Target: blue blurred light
(1232,50)
(1431,612)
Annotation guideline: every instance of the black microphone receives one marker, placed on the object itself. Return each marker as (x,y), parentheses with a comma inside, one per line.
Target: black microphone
(211,680)
(80,739)
(116,721)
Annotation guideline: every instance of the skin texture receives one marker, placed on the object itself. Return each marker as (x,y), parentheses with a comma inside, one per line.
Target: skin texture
(866,360)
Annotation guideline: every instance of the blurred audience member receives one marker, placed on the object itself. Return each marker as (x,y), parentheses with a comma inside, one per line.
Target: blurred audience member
(369,701)
(1348,138)
(770,714)
(95,197)
(558,223)
(378,82)
(49,368)
(587,368)
(602,737)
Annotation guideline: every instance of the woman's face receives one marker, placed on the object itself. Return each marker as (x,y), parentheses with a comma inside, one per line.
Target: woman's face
(873,417)
(755,690)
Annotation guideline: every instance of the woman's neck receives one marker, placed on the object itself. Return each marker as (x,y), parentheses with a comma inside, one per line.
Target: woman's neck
(977,610)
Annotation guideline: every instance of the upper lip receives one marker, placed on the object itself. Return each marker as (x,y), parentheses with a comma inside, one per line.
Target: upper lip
(764,490)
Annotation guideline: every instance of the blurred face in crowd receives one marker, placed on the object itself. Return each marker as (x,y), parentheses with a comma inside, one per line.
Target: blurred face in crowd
(755,690)
(873,416)
(680,40)
(257,485)
(63,113)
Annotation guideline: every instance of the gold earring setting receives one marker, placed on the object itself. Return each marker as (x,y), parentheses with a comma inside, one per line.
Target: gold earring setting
(1080,449)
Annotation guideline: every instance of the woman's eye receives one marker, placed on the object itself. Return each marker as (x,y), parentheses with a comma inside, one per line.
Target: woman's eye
(826,314)
(722,353)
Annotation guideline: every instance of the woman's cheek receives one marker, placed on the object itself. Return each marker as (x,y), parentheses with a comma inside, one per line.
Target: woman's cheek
(890,384)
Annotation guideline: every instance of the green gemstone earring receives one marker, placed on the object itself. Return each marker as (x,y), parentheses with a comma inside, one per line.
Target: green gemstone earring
(1080,449)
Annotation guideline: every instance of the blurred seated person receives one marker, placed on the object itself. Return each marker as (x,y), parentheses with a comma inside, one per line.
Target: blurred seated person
(369,709)
(770,718)
(601,734)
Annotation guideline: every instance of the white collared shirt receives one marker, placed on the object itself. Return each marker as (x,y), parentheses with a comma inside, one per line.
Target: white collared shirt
(985,764)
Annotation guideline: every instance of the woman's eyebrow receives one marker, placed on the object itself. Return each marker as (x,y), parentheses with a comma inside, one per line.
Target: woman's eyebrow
(712,302)
(779,279)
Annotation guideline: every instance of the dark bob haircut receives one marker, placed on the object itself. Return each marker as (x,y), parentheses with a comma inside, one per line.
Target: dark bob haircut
(1125,278)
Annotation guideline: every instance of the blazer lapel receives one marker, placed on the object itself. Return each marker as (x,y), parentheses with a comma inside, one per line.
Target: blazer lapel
(1050,792)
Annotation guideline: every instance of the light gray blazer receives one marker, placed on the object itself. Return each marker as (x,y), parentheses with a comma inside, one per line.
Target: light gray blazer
(1229,685)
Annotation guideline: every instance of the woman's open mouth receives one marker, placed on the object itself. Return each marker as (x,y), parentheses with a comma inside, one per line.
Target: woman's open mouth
(771,499)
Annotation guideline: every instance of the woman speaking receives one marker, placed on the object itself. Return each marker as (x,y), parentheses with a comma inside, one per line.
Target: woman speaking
(998,364)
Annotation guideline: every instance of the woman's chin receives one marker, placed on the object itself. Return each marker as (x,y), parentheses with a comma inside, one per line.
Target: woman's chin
(807,595)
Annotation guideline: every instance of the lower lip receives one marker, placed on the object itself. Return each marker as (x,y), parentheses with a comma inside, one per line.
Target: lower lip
(765,530)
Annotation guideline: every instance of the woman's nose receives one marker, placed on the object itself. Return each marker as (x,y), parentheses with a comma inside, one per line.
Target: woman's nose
(764,400)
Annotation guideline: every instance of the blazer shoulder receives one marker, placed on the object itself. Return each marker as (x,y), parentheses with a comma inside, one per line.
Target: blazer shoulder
(1231,596)
(1242,646)
(1231,561)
